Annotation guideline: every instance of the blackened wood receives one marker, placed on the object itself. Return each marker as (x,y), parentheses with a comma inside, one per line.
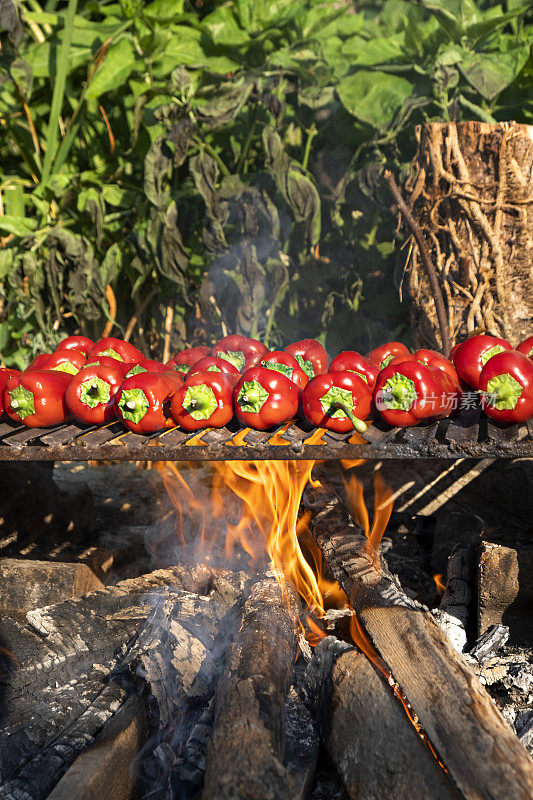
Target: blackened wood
(55,688)
(28,584)
(453,614)
(454,709)
(377,751)
(245,756)
(105,769)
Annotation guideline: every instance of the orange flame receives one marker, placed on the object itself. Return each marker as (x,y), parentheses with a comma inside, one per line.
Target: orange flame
(441,588)
(269,524)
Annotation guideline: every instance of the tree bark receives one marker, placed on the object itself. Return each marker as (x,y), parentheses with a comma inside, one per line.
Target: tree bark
(471,193)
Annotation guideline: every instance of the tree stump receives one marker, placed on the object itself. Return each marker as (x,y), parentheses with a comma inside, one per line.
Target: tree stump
(471,193)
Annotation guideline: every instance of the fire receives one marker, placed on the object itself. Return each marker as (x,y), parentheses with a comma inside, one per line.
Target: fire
(439,584)
(269,526)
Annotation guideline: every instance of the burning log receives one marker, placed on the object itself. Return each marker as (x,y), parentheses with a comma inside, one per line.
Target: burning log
(378,754)
(454,612)
(54,681)
(456,712)
(245,756)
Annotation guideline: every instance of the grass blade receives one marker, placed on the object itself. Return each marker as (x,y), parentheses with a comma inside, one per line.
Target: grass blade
(59,90)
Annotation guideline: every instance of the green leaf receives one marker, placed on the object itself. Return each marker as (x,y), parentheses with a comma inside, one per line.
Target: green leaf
(115,69)
(490,73)
(378,50)
(374,97)
(455,16)
(17,225)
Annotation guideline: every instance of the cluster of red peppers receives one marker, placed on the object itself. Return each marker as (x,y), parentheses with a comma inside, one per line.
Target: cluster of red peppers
(203,387)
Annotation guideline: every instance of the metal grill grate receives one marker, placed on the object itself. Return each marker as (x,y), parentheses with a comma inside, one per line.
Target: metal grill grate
(468,435)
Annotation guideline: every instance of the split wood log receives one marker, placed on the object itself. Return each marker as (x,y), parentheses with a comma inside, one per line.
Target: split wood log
(55,693)
(27,584)
(505,589)
(245,755)
(379,755)
(104,770)
(453,613)
(471,194)
(456,712)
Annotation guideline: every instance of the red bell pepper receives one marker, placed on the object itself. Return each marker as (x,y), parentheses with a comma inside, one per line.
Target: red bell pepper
(146,365)
(182,362)
(350,361)
(70,361)
(5,375)
(383,355)
(506,386)
(81,343)
(432,359)
(283,362)
(472,355)
(37,398)
(214,364)
(310,355)
(90,394)
(453,351)
(204,401)
(106,361)
(143,402)
(526,347)
(408,393)
(115,348)
(338,401)
(38,362)
(265,398)
(240,351)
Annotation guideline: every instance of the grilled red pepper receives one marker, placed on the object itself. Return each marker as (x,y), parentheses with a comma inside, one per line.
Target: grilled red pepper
(182,362)
(240,351)
(338,401)
(204,401)
(143,401)
(350,361)
(81,343)
(5,375)
(90,394)
(283,362)
(506,386)
(310,355)
(432,359)
(115,348)
(472,355)
(526,347)
(37,398)
(214,364)
(38,362)
(383,355)
(70,361)
(264,398)
(146,365)
(410,392)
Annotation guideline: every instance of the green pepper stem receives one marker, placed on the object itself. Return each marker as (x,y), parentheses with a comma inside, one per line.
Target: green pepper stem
(358,424)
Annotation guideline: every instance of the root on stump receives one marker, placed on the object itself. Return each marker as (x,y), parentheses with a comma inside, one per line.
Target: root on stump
(471,193)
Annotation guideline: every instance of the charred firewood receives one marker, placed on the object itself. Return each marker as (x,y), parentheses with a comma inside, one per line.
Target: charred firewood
(379,755)
(454,612)
(456,712)
(245,755)
(55,687)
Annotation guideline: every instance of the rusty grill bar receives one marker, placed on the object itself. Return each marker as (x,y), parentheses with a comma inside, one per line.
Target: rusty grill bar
(468,435)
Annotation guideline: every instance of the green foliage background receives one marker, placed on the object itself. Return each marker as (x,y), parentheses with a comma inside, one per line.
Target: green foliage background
(225,159)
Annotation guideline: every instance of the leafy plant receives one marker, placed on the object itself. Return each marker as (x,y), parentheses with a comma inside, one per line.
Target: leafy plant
(222,165)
